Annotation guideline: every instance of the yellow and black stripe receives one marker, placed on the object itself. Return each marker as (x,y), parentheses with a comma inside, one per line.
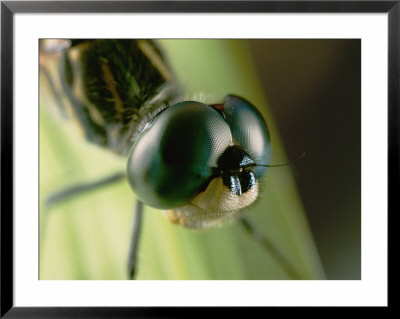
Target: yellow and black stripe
(107,86)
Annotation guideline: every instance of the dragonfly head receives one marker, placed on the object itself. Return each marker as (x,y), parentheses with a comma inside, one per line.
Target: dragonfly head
(199,161)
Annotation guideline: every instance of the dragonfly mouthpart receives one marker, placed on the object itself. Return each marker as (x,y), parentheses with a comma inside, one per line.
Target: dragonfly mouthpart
(236,169)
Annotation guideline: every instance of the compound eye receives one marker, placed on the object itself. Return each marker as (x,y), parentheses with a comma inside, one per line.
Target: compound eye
(173,158)
(249,130)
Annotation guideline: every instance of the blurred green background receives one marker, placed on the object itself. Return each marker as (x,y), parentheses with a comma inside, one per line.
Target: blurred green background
(313,89)
(309,94)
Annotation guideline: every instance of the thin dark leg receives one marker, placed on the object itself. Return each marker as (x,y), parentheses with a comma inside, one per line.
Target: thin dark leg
(54,91)
(79,189)
(133,249)
(270,247)
(73,191)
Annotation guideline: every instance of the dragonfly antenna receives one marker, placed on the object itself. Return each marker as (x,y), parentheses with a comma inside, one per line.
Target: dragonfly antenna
(285,164)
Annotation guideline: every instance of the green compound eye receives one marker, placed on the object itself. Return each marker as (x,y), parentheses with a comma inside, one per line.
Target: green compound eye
(249,130)
(174,157)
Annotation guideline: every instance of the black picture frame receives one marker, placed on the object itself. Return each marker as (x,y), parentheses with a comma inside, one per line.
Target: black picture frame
(9,8)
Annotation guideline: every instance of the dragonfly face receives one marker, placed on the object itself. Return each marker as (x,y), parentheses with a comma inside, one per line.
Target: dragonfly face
(200,161)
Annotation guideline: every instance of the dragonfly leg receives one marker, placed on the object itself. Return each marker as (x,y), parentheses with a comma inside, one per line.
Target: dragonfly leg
(83,188)
(133,249)
(270,247)
(74,191)
(54,91)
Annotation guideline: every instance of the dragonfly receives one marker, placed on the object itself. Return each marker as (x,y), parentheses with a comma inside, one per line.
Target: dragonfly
(201,161)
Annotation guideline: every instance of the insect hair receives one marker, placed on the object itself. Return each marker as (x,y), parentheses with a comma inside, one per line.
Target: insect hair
(153,107)
(165,98)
